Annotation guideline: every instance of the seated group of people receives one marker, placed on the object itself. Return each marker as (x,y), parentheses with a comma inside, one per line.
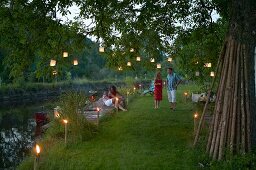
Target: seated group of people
(113,98)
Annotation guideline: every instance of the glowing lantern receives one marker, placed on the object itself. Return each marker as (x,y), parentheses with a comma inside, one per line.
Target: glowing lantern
(120,68)
(52,63)
(208,65)
(169,59)
(138,58)
(75,62)
(129,63)
(101,49)
(152,60)
(65,54)
(54,72)
(131,50)
(212,74)
(158,66)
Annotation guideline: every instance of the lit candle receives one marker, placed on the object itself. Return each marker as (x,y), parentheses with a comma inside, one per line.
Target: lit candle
(98,116)
(38,150)
(127,98)
(134,89)
(196,115)
(65,121)
(56,113)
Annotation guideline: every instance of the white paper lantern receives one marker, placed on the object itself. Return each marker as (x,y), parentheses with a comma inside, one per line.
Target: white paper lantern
(101,49)
(169,59)
(158,66)
(197,73)
(129,63)
(152,60)
(131,50)
(138,58)
(53,63)
(65,54)
(75,62)
(208,65)
(212,74)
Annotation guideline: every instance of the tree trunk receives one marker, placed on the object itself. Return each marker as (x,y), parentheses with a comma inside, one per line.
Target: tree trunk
(233,128)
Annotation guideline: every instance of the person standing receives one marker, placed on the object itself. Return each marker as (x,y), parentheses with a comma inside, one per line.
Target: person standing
(158,89)
(172,82)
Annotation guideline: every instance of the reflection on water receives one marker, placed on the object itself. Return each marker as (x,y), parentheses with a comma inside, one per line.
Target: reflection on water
(17,131)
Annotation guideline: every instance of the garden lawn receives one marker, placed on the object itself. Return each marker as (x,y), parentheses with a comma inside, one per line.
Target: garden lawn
(141,138)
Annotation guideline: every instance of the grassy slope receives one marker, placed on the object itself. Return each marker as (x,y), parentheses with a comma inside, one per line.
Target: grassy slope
(142,138)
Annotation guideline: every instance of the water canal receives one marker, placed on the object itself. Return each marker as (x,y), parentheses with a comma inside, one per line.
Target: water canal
(17,133)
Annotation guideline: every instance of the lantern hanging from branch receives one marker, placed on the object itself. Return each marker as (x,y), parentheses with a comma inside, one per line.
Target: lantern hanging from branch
(131,50)
(208,65)
(129,63)
(152,60)
(212,74)
(138,58)
(158,66)
(197,73)
(52,63)
(169,59)
(75,62)
(101,49)
(65,54)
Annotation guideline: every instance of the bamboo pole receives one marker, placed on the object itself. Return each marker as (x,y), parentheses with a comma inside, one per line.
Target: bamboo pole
(219,103)
(208,97)
(233,121)
(248,134)
(227,94)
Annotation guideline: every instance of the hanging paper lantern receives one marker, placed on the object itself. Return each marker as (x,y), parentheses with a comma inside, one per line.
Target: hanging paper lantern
(101,49)
(129,63)
(152,60)
(75,62)
(65,54)
(53,63)
(138,58)
(120,68)
(208,65)
(158,66)
(131,50)
(197,73)
(169,59)
(212,74)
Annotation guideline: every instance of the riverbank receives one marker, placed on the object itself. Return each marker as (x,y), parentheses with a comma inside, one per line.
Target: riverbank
(141,138)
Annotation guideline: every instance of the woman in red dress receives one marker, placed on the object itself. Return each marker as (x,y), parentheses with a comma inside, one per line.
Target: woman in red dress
(158,89)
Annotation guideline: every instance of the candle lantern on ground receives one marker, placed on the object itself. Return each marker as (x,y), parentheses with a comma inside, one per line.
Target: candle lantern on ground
(56,112)
(196,116)
(36,161)
(65,121)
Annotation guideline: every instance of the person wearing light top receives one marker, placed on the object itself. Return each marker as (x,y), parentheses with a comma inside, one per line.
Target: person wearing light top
(172,82)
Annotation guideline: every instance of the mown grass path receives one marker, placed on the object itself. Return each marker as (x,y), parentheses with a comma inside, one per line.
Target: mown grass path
(142,138)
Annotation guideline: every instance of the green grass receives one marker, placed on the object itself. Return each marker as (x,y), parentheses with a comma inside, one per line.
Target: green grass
(142,138)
